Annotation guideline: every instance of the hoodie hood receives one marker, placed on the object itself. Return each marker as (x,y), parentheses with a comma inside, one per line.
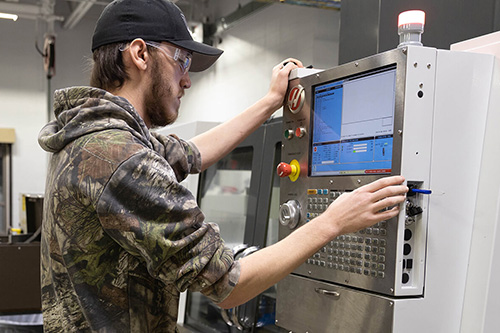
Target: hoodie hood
(83,110)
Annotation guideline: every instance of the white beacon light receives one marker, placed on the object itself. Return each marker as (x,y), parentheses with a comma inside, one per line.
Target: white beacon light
(411,27)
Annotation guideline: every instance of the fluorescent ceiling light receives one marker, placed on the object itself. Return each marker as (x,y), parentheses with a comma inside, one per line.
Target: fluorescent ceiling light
(8,16)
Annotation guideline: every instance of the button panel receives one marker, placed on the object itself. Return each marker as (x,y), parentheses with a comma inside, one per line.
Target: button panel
(361,253)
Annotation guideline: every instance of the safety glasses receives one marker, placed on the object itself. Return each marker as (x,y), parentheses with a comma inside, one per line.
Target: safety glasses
(182,57)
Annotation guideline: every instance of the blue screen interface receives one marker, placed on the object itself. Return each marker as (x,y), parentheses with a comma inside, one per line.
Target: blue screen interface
(353,124)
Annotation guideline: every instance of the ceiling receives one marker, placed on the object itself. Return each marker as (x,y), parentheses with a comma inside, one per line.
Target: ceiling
(69,12)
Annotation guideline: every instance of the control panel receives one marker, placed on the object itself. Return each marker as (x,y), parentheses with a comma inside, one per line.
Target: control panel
(346,127)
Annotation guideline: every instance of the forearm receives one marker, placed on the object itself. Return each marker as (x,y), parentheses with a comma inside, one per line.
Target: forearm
(222,139)
(267,266)
(219,141)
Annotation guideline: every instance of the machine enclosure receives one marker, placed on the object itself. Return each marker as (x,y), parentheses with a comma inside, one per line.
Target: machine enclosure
(442,139)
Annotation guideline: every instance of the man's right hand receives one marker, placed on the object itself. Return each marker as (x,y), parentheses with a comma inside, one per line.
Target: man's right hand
(365,206)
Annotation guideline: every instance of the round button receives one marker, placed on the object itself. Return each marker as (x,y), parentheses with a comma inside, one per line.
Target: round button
(406,249)
(288,134)
(408,234)
(284,169)
(300,132)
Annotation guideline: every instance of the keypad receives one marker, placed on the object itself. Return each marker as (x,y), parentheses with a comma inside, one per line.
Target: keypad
(361,253)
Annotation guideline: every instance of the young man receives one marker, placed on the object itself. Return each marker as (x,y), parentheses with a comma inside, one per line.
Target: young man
(121,237)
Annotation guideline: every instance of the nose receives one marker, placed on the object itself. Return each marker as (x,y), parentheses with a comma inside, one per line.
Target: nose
(186,81)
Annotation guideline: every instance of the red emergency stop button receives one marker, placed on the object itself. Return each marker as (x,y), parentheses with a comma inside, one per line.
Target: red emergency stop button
(291,170)
(284,169)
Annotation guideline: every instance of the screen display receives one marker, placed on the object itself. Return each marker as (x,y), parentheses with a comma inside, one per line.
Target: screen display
(353,124)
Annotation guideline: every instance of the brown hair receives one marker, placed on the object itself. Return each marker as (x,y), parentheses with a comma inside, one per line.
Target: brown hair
(108,70)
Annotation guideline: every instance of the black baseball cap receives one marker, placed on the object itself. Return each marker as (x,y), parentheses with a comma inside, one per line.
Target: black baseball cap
(151,20)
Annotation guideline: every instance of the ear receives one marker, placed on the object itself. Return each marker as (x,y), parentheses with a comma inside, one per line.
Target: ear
(138,54)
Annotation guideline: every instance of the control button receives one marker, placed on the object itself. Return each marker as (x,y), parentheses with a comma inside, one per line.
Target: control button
(406,249)
(300,132)
(312,191)
(408,234)
(291,170)
(284,169)
(288,134)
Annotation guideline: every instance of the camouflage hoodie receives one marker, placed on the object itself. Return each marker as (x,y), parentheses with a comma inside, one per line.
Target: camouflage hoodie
(121,237)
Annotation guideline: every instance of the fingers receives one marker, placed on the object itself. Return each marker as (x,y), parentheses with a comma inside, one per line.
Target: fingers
(391,201)
(289,64)
(384,182)
(388,214)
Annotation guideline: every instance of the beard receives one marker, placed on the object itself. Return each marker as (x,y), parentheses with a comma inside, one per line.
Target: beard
(154,99)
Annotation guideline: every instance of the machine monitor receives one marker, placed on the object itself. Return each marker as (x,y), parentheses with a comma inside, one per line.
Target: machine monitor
(353,124)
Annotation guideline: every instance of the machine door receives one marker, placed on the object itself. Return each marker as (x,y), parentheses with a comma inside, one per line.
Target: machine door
(227,195)
(241,194)
(263,307)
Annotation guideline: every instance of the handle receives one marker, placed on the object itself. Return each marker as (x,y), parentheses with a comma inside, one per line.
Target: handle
(327,292)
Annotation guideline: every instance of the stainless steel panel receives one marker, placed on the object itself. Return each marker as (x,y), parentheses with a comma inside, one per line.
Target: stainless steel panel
(299,149)
(311,306)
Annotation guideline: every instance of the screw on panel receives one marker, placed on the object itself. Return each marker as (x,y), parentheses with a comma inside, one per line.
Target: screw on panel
(317,75)
(391,303)
(421,85)
(415,64)
(400,132)
(356,64)
(309,272)
(392,290)
(331,181)
(429,66)
(404,50)
(359,181)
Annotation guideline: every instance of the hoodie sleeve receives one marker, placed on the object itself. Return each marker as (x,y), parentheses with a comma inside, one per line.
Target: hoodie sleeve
(181,155)
(153,217)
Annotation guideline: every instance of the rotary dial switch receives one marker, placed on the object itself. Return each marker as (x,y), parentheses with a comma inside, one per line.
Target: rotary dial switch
(290,214)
